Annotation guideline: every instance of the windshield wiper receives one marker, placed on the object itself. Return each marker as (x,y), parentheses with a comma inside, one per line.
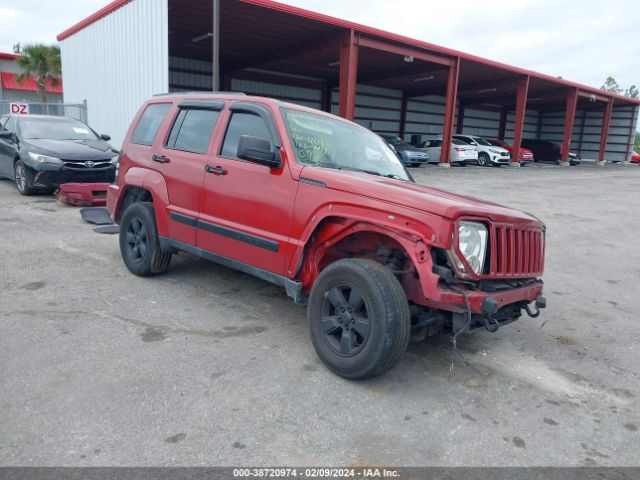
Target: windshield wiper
(370,172)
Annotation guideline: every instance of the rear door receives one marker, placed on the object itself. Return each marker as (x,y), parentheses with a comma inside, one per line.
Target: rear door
(246,208)
(180,157)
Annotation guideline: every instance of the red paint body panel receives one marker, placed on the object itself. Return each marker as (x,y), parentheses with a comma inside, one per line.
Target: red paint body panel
(635,157)
(83,194)
(270,220)
(526,155)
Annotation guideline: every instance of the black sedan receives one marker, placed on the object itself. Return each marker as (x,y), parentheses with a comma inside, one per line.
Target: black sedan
(409,155)
(41,152)
(546,151)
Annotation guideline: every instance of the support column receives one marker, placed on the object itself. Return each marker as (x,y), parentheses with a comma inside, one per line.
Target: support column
(348,75)
(518,126)
(608,109)
(449,110)
(569,119)
(460,122)
(403,115)
(502,129)
(226,82)
(327,93)
(632,134)
(215,41)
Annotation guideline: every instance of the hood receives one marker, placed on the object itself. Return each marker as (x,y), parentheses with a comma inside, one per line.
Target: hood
(417,197)
(74,150)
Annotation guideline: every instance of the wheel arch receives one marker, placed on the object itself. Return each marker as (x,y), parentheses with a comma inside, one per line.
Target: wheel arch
(336,237)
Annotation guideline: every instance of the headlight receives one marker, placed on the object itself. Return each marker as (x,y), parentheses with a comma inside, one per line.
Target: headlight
(472,241)
(36,157)
(497,152)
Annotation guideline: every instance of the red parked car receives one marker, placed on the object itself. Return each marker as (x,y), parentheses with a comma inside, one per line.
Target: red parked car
(323,208)
(526,155)
(635,157)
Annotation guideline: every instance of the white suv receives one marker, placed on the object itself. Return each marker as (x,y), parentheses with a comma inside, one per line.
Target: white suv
(488,154)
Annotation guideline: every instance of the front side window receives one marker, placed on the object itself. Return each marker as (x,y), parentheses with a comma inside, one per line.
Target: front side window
(243,123)
(333,143)
(149,124)
(192,130)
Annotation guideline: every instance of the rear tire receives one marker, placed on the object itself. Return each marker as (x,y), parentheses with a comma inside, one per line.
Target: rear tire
(359,318)
(139,242)
(24,180)
(483,159)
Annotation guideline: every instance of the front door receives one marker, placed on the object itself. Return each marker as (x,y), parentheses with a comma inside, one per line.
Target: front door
(181,158)
(246,208)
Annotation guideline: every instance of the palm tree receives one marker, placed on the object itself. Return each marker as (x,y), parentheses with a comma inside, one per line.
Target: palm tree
(41,62)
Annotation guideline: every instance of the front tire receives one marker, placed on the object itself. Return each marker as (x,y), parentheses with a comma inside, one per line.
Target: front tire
(359,318)
(483,159)
(139,243)
(24,181)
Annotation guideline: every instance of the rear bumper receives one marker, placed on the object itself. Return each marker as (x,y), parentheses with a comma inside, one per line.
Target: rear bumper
(83,194)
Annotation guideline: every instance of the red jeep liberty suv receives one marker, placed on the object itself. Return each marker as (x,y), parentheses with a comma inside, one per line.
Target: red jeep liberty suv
(323,208)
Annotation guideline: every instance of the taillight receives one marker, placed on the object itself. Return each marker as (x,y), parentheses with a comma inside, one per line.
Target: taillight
(460,149)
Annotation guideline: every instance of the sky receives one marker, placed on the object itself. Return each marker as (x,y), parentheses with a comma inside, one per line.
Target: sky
(584,41)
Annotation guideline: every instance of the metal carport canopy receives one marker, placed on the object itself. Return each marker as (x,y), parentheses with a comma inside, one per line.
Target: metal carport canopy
(281,38)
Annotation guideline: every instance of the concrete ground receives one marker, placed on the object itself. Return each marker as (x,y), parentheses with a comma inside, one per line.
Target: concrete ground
(206,366)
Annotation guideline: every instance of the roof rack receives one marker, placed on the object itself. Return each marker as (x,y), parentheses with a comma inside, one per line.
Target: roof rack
(200,92)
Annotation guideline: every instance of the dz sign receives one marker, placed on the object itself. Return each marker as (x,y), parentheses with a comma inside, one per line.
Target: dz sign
(19,108)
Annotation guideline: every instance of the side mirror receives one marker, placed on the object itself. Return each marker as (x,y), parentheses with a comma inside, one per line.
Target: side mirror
(258,150)
(7,135)
(105,137)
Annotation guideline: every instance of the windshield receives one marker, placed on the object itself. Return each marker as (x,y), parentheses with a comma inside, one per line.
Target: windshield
(482,141)
(54,129)
(332,143)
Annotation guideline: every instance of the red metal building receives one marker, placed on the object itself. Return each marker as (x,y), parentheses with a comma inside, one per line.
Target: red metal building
(387,82)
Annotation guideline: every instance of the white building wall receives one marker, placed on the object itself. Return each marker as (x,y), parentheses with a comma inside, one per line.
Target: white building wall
(117,63)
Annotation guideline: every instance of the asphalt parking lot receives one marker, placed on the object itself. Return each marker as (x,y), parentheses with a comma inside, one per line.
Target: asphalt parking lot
(206,366)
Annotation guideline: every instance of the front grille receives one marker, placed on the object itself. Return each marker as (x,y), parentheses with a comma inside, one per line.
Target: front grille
(516,251)
(83,167)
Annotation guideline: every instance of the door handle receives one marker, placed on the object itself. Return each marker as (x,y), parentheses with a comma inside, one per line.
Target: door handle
(160,159)
(215,170)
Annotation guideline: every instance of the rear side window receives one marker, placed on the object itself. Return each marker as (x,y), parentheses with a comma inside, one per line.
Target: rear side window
(242,123)
(192,129)
(149,123)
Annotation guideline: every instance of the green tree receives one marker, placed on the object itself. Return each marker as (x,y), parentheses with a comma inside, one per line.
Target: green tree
(637,142)
(41,62)
(610,85)
(632,92)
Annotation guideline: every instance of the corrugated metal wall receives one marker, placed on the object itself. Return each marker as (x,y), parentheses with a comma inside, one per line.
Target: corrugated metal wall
(377,109)
(530,129)
(117,63)
(587,129)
